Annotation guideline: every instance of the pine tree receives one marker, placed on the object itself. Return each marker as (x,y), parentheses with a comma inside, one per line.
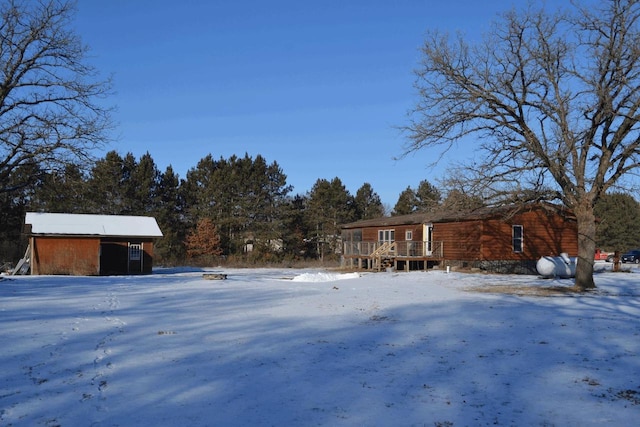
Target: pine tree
(61,191)
(617,214)
(169,212)
(142,186)
(330,205)
(428,197)
(13,206)
(367,203)
(296,229)
(407,202)
(105,189)
(244,197)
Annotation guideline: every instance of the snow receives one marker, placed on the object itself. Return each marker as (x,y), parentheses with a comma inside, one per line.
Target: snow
(323,277)
(86,224)
(311,347)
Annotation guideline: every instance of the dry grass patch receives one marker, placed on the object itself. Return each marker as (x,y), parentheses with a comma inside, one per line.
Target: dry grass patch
(525,290)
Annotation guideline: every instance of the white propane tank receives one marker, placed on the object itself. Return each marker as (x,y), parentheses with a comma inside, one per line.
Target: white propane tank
(557,266)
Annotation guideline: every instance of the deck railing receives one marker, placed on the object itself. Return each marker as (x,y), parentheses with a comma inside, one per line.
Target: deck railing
(398,249)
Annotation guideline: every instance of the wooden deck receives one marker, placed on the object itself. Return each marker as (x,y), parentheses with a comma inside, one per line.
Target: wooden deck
(405,255)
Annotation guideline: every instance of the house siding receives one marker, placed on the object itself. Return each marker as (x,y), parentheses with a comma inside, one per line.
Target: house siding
(462,240)
(416,231)
(543,235)
(371,234)
(484,241)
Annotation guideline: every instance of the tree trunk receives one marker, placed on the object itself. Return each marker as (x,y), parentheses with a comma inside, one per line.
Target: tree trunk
(586,246)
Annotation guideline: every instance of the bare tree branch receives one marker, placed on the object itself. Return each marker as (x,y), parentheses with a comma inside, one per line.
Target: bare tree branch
(553,100)
(51,110)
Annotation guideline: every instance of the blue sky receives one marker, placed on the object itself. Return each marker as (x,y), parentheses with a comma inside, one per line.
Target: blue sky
(320,87)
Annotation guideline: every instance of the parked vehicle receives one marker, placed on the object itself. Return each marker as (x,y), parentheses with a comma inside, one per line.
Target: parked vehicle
(603,256)
(631,256)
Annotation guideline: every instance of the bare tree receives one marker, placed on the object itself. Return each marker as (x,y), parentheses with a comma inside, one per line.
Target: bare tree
(553,99)
(50,111)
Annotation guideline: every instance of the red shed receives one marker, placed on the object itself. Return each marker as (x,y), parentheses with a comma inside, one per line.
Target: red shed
(504,239)
(82,244)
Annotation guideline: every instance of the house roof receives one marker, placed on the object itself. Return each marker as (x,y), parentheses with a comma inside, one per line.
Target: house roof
(439,216)
(91,225)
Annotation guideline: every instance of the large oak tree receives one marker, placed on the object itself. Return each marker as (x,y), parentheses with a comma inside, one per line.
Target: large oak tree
(550,97)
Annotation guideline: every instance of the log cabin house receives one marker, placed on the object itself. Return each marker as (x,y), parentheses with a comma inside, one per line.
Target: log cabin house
(508,239)
(85,245)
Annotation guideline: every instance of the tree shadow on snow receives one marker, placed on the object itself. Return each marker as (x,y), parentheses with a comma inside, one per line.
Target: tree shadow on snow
(216,354)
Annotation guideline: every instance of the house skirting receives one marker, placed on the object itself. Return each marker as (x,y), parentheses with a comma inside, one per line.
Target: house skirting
(427,263)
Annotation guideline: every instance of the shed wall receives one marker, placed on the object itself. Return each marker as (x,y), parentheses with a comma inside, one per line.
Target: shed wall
(63,255)
(88,256)
(114,258)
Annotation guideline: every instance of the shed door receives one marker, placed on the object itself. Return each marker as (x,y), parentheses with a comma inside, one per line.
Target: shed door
(113,258)
(135,257)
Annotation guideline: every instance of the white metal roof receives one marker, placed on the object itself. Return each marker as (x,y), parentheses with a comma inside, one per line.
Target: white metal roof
(94,225)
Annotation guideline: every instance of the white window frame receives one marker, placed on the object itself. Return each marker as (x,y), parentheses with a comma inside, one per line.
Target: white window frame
(408,235)
(387,235)
(427,235)
(517,238)
(135,251)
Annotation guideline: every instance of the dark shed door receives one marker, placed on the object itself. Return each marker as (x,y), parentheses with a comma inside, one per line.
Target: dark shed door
(113,258)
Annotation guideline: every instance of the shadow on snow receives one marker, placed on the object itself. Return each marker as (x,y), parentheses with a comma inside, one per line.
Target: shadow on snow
(204,353)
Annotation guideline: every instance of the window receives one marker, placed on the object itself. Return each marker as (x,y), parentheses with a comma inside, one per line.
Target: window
(517,238)
(386,235)
(408,235)
(135,251)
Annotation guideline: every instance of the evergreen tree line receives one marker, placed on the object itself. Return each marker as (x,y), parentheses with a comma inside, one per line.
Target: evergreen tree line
(242,208)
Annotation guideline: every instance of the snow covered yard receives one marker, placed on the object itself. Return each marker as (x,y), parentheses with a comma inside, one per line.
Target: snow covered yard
(308,347)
